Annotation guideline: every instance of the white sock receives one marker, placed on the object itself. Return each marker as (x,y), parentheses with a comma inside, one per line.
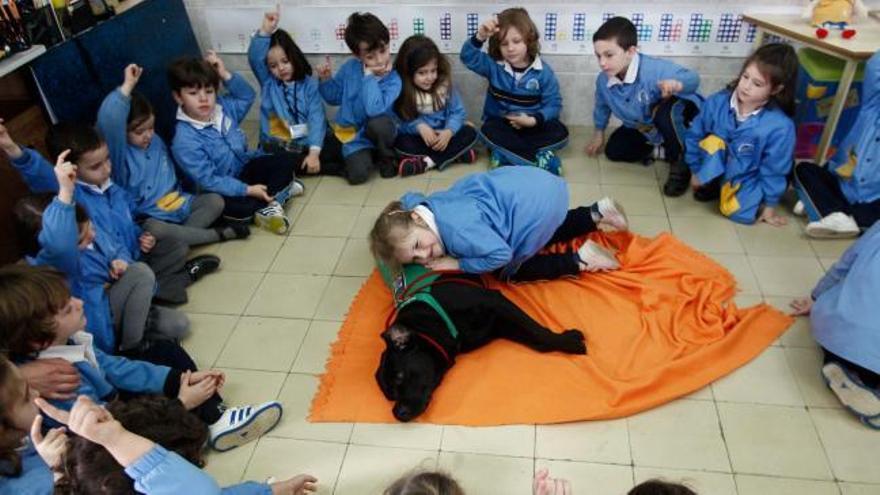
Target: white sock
(430,163)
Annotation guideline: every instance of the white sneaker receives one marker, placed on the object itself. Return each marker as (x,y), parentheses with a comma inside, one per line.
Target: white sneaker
(272,218)
(297,188)
(834,226)
(240,425)
(851,391)
(799,209)
(612,214)
(597,258)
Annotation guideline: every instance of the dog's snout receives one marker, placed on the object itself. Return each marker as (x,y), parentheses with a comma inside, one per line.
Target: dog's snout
(402,412)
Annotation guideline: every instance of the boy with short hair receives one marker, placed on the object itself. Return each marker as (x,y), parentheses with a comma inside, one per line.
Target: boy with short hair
(656,99)
(40,320)
(365,89)
(210,147)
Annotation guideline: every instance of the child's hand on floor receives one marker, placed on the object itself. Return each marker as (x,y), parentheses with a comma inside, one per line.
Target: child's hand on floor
(769,215)
(51,447)
(270,21)
(212,58)
(594,147)
(521,120)
(312,162)
(669,87)
(429,136)
(147,242)
(801,306)
(8,146)
(117,268)
(193,394)
(443,138)
(444,263)
(487,29)
(85,419)
(65,173)
(545,485)
(298,485)
(259,191)
(325,70)
(132,76)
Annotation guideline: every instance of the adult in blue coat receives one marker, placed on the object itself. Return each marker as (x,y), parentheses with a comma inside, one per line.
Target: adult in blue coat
(497,222)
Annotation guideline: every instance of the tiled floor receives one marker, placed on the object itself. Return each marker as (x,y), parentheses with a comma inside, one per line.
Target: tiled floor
(268,318)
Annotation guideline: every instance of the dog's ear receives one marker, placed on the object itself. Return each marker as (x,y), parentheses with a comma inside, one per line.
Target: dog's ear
(386,382)
(397,337)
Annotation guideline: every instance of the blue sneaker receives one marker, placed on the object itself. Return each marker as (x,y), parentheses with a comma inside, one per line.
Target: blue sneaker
(292,190)
(549,161)
(240,425)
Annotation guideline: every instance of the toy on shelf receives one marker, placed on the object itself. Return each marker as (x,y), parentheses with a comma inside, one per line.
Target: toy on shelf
(834,14)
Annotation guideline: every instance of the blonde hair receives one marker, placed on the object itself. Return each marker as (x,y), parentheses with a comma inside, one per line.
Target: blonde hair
(385,235)
(425,483)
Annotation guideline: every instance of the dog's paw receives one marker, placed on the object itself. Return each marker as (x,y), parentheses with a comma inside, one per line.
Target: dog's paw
(574,342)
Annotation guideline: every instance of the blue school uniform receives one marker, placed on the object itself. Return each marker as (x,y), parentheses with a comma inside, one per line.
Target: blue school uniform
(213,155)
(147,174)
(753,157)
(87,270)
(102,375)
(109,206)
(290,113)
(634,102)
(360,97)
(35,478)
(535,93)
(845,314)
(498,219)
(857,160)
(160,472)
(451,116)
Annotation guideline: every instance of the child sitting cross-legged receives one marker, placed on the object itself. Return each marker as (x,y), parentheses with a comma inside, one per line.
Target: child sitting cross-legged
(39,319)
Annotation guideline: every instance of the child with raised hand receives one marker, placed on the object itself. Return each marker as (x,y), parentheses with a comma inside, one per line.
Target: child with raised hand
(740,147)
(39,319)
(497,222)
(212,150)
(432,132)
(655,99)
(118,296)
(291,111)
(843,197)
(26,463)
(365,89)
(148,445)
(521,114)
(143,167)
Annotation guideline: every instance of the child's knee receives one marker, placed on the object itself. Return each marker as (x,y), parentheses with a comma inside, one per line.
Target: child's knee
(381,127)
(141,273)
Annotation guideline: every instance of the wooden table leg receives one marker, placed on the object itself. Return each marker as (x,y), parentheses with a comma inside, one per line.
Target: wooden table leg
(849,72)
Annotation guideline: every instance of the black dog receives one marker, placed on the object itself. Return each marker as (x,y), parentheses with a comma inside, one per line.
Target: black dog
(419,347)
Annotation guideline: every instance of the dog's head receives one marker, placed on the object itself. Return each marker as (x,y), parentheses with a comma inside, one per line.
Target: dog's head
(409,371)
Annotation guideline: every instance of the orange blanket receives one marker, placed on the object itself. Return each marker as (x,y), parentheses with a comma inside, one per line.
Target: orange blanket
(662,327)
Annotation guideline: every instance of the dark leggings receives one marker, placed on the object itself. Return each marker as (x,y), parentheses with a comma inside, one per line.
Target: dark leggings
(577,222)
(414,145)
(275,171)
(819,189)
(671,118)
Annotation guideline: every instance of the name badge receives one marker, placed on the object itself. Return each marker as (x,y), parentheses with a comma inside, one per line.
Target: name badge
(299,130)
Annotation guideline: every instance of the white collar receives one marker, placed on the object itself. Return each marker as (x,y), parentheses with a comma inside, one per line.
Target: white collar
(215,122)
(631,72)
(535,65)
(428,216)
(81,349)
(734,105)
(98,189)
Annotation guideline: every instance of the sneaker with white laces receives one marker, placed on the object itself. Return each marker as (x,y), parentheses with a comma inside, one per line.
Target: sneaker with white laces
(852,393)
(272,218)
(240,425)
(597,258)
(837,225)
(799,209)
(611,214)
(292,190)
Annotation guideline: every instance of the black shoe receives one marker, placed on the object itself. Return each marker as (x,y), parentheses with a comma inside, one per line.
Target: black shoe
(708,192)
(240,230)
(678,181)
(388,169)
(202,265)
